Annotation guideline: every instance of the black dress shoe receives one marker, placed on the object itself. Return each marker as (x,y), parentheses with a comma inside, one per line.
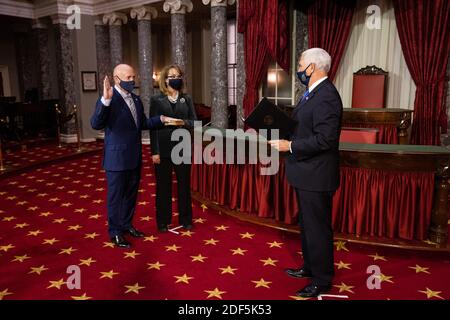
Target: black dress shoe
(312,291)
(299,273)
(187,226)
(120,242)
(163,228)
(135,233)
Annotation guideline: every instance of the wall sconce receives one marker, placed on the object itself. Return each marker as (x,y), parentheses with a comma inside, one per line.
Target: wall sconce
(272,77)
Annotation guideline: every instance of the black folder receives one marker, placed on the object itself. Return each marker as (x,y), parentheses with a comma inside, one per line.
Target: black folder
(267,115)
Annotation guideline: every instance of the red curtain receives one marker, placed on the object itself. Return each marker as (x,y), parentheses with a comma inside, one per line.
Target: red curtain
(265,27)
(329,24)
(423,28)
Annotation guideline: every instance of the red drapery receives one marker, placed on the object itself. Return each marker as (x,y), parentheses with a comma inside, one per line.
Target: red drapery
(265,27)
(329,24)
(371,202)
(423,28)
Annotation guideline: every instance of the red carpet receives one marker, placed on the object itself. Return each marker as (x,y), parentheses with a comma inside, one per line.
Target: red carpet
(54,217)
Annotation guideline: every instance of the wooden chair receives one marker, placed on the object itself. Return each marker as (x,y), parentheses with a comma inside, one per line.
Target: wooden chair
(369,88)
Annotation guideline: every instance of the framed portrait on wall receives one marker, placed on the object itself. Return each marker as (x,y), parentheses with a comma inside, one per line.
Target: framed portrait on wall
(89,80)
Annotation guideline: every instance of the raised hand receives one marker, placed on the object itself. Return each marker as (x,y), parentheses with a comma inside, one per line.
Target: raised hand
(107,89)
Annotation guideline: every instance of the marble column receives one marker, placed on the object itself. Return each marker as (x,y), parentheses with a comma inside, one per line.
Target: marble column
(301,44)
(103,53)
(445,138)
(144,16)
(24,61)
(65,65)
(240,74)
(219,72)
(40,39)
(115,20)
(178,10)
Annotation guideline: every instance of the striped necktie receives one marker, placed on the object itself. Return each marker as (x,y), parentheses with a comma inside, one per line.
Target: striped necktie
(132,107)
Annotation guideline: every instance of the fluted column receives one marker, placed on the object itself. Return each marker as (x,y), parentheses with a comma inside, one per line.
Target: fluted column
(144,15)
(102,52)
(115,20)
(40,39)
(178,9)
(64,65)
(240,74)
(219,72)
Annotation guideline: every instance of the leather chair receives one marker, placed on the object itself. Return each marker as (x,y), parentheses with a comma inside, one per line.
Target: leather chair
(369,88)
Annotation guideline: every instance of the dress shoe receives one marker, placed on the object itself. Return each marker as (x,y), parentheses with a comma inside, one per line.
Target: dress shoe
(312,291)
(163,228)
(120,242)
(187,226)
(298,273)
(135,233)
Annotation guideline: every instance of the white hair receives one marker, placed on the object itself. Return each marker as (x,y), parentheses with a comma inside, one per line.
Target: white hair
(319,57)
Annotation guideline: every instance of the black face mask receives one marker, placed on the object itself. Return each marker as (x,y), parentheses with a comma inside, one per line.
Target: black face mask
(127,85)
(304,79)
(176,84)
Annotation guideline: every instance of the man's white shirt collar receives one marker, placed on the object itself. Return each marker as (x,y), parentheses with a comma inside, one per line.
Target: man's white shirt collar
(315,84)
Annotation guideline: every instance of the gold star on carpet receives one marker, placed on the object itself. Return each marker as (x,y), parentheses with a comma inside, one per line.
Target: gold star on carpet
(21,225)
(383,277)
(420,269)
(134,288)
(298,298)
(74,228)
(72,191)
(5,293)
(21,203)
(216,293)
(275,244)
(99,189)
(343,287)
(343,265)
(269,262)
(20,258)
(97,201)
(184,278)
(50,241)
(210,241)
(377,257)
(80,210)
(9,218)
(61,220)
(53,199)
(155,265)
(84,196)
(46,214)
(187,233)
(87,262)
(6,248)
(42,194)
(67,204)
(131,254)
(340,245)
(432,294)
(221,228)
(56,284)
(146,218)
(108,244)
(38,270)
(199,220)
(150,238)
(94,216)
(91,235)
(11,198)
(82,297)
(67,251)
(32,208)
(34,233)
(199,258)
(143,203)
(228,269)
(247,235)
(109,274)
(172,248)
(262,283)
(238,251)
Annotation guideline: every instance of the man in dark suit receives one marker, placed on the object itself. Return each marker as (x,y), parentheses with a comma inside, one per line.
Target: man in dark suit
(312,167)
(121,114)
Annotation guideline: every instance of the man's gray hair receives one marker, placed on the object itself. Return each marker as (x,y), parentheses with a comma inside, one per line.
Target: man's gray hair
(319,57)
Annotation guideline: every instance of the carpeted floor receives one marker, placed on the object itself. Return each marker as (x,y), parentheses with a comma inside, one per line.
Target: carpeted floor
(55,217)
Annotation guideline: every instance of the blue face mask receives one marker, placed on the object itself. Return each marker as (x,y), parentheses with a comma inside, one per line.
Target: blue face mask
(176,84)
(127,85)
(303,77)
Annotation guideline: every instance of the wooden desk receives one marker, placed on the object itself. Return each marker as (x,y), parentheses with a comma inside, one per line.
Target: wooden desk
(379,118)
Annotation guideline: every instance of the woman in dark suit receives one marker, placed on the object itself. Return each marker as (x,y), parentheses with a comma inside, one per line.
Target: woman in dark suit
(174,103)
